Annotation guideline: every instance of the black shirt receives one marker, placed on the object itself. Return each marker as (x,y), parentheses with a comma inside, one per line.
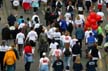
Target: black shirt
(58,65)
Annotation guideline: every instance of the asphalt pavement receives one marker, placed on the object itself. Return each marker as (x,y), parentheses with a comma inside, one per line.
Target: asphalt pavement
(4,13)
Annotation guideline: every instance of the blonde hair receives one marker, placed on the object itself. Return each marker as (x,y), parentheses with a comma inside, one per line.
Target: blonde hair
(78,17)
(78,59)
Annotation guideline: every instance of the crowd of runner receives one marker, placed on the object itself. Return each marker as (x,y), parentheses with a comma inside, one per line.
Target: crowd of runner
(61,42)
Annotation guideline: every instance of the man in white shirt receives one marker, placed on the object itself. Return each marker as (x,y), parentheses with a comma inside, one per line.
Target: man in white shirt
(32,37)
(20,41)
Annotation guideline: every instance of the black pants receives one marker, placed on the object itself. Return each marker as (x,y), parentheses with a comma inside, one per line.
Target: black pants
(20,49)
(100,39)
(80,41)
(27,66)
(1,60)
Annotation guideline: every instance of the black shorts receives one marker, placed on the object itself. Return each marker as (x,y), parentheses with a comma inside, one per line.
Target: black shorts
(94,1)
(32,43)
(106,5)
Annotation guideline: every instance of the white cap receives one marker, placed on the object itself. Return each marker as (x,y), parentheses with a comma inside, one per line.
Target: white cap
(44,54)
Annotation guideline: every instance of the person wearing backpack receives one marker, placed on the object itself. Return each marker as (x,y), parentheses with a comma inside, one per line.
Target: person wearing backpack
(67,51)
(10,59)
(28,53)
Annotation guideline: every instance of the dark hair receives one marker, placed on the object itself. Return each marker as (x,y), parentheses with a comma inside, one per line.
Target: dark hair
(21,16)
(90,34)
(58,46)
(28,19)
(36,20)
(22,21)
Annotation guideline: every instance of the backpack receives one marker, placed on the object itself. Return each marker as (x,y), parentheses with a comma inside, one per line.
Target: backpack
(59,5)
(10,60)
(67,52)
(70,9)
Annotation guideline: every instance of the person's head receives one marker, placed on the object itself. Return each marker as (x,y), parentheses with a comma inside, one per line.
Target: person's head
(36,20)
(78,60)
(32,28)
(43,54)
(21,16)
(67,33)
(28,19)
(53,40)
(91,34)
(78,17)
(3,43)
(58,46)
(100,10)
(13,45)
(22,21)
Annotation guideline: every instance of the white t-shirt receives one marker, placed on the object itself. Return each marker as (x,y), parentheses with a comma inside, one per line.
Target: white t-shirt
(82,17)
(73,42)
(21,25)
(66,39)
(32,35)
(78,22)
(57,52)
(87,33)
(50,32)
(37,26)
(20,38)
(101,14)
(57,35)
(44,61)
(4,48)
(52,46)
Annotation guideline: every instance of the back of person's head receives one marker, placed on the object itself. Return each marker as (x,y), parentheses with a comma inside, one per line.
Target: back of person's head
(32,28)
(91,34)
(3,43)
(36,20)
(58,46)
(28,18)
(44,54)
(78,17)
(22,21)
(13,45)
(21,16)
(100,10)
